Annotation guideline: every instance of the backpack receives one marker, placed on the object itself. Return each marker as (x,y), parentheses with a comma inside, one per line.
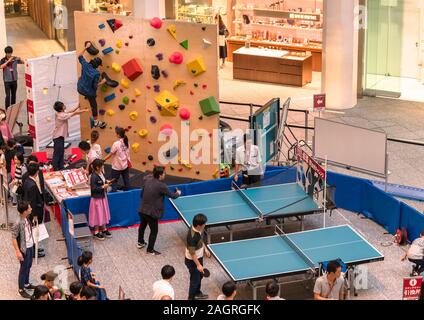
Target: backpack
(401,236)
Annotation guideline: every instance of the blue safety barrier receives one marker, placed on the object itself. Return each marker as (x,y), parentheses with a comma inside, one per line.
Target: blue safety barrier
(397,190)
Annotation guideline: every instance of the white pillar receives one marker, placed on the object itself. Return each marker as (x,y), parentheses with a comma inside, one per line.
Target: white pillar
(340,53)
(3,37)
(149,8)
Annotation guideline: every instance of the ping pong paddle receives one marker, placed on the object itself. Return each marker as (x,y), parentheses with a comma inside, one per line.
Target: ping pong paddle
(206,273)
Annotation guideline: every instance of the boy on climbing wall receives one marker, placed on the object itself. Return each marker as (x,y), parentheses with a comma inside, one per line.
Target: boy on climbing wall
(89,82)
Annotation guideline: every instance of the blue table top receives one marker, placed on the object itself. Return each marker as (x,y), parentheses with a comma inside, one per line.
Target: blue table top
(229,206)
(272,256)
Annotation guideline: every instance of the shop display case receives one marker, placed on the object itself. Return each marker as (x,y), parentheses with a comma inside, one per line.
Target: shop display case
(16,7)
(114,7)
(286,25)
(196,13)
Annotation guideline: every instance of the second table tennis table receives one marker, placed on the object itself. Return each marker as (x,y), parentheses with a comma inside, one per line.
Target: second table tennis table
(274,257)
(227,208)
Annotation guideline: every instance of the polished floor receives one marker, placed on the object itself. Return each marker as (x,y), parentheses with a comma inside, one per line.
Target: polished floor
(119,263)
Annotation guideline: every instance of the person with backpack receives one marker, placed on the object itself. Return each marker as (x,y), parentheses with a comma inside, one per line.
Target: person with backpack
(415,255)
(89,82)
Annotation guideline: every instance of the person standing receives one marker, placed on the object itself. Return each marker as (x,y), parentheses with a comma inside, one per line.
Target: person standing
(16,185)
(60,133)
(272,290)
(330,286)
(162,288)
(9,65)
(23,243)
(249,160)
(120,154)
(89,82)
(153,194)
(222,35)
(6,133)
(195,249)
(94,137)
(99,213)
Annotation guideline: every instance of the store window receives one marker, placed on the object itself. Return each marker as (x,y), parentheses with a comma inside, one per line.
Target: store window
(200,11)
(117,7)
(15,8)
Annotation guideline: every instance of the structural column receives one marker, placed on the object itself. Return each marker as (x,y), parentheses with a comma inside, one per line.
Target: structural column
(148,9)
(340,53)
(3,37)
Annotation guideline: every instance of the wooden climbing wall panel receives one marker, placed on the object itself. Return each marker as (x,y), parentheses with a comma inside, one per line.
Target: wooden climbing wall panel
(137,42)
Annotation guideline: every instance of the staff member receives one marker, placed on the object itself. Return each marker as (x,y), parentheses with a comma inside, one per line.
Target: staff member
(330,286)
(195,249)
(249,159)
(151,209)
(9,65)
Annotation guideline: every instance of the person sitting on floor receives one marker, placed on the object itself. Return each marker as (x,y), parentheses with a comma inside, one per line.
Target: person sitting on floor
(54,292)
(88,278)
(41,293)
(415,254)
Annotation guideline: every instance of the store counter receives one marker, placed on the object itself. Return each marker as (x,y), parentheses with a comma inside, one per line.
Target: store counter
(234,43)
(270,65)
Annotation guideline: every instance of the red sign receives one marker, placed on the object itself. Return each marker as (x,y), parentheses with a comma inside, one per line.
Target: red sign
(412,288)
(319,102)
(302,155)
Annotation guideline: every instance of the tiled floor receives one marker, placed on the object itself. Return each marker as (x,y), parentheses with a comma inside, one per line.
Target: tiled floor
(119,263)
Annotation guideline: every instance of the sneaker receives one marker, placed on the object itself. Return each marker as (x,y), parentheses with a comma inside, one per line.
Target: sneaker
(201,296)
(100,124)
(29,287)
(41,254)
(99,236)
(141,245)
(154,252)
(107,234)
(24,294)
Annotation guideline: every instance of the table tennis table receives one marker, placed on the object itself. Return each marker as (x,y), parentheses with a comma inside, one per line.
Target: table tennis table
(303,252)
(227,208)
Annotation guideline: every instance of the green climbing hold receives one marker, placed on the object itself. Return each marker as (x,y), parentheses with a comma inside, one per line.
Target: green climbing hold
(184,44)
(104,88)
(126,100)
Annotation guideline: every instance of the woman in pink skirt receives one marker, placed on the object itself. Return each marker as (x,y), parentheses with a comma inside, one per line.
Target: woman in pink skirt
(99,214)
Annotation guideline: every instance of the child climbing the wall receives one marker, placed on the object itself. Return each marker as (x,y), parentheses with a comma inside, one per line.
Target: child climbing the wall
(89,82)
(121,162)
(60,132)
(99,213)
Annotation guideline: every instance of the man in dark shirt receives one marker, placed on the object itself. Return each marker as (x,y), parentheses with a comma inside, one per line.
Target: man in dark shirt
(195,248)
(9,65)
(151,209)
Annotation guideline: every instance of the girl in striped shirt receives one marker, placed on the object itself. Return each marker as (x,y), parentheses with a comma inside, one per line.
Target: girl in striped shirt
(16,184)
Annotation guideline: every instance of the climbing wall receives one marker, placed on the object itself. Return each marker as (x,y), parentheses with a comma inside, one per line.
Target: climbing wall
(167,94)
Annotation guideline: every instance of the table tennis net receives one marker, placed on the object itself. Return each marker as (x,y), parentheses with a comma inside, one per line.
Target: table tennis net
(286,239)
(244,196)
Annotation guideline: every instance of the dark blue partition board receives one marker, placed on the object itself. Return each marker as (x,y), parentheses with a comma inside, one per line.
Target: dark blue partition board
(381,207)
(72,249)
(349,191)
(412,220)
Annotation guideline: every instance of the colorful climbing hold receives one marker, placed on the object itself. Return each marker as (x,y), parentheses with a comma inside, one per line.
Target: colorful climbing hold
(114,24)
(179,83)
(184,44)
(104,88)
(165,73)
(151,42)
(116,67)
(119,44)
(132,69)
(169,103)
(110,97)
(155,72)
(153,119)
(209,106)
(166,129)
(125,83)
(135,147)
(172,29)
(205,86)
(110,112)
(134,115)
(122,107)
(176,58)
(191,92)
(156,88)
(117,51)
(196,85)
(184,114)
(126,100)
(107,50)
(137,92)
(156,23)
(102,42)
(150,158)
(159,56)
(102,112)
(196,66)
(206,43)
(102,26)
(143,133)
(107,150)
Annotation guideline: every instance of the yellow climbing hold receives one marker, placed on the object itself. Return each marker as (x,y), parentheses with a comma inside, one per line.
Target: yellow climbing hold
(135,147)
(119,44)
(134,115)
(110,112)
(216,174)
(172,29)
(185,163)
(137,92)
(143,133)
(196,66)
(125,83)
(179,83)
(116,67)
(168,103)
